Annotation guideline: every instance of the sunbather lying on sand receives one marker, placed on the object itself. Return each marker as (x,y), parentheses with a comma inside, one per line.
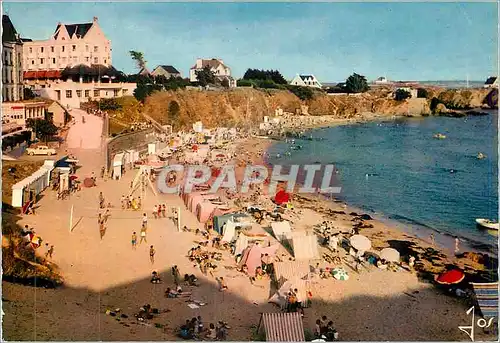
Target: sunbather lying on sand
(170,293)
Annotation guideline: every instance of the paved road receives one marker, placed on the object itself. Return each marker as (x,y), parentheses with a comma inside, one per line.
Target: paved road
(86,136)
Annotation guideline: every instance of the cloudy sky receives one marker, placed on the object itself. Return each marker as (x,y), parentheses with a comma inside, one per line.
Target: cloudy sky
(403,41)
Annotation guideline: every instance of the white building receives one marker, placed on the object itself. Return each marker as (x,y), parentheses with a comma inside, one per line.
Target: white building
(19,112)
(70,45)
(217,66)
(74,66)
(306,81)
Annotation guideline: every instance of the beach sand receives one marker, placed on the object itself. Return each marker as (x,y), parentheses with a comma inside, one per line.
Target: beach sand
(109,274)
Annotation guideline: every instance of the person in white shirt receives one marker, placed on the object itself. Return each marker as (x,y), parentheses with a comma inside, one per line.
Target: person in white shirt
(155,211)
(144,221)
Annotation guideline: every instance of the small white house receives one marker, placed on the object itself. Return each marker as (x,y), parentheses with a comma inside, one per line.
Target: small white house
(306,81)
(217,66)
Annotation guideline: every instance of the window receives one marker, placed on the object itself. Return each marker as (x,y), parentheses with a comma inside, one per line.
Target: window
(68,94)
(42,60)
(74,47)
(58,93)
(96,48)
(87,59)
(104,61)
(87,93)
(51,49)
(79,93)
(53,61)
(115,92)
(96,60)
(62,48)
(96,92)
(41,49)
(31,50)
(32,61)
(86,48)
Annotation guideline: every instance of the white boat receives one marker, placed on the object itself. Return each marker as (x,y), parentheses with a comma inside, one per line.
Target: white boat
(487,224)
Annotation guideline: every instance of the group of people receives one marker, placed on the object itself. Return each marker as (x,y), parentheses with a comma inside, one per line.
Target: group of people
(129,202)
(205,260)
(325,330)
(293,302)
(195,329)
(160,211)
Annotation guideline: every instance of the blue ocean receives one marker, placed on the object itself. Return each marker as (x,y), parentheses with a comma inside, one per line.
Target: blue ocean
(398,172)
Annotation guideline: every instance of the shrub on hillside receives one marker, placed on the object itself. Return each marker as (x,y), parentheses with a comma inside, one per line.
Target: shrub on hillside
(303,93)
(402,95)
(422,93)
(244,83)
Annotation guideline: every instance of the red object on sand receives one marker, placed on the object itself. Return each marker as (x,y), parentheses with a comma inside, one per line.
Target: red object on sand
(73,177)
(195,148)
(450,277)
(282,197)
(88,182)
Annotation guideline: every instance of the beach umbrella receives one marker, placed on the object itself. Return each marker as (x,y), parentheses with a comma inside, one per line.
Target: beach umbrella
(450,277)
(340,274)
(282,197)
(360,242)
(390,255)
(88,182)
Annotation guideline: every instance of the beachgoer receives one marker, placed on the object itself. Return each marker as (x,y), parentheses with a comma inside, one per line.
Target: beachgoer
(143,236)
(102,229)
(433,241)
(211,334)
(139,203)
(317,329)
(200,324)
(457,247)
(152,254)
(50,251)
(102,172)
(101,200)
(176,274)
(155,212)
(134,240)
(122,200)
(323,324)
(411,262)
(223,285)
(164,211)
(144,221)
(159,211)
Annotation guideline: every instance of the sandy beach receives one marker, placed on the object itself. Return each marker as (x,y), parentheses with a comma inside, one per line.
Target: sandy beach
(107,274)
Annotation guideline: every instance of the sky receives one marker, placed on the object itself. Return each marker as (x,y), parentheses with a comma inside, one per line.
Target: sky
(402,41)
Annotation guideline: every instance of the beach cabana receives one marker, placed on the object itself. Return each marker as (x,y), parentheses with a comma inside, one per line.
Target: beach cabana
(282,327)
(252,256)
(28,189)
(118,162)
(487,298)
(305,247)
(205,209)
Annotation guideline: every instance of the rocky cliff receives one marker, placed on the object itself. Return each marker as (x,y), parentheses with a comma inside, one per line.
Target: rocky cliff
(243,106)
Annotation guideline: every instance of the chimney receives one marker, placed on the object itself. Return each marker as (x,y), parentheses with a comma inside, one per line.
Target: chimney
(95,19)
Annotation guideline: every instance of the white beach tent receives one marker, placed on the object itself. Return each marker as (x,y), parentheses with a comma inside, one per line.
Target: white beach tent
(281,230)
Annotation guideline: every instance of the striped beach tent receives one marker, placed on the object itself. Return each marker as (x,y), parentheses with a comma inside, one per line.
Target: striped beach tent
(282,327)
(487,298)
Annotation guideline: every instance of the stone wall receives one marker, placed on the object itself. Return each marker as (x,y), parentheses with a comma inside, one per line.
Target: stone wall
(130,141)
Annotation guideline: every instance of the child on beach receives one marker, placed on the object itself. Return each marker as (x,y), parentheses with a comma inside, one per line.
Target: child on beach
(152,254)
(122,200)
(134,240)
(143,236)
(144,221)
(155,212)
(159,211)
(223,285)
(164,211)
(51,251)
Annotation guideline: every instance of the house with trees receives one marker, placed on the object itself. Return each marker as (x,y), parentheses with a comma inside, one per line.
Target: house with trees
(166,70)
(217,67)
(308,80)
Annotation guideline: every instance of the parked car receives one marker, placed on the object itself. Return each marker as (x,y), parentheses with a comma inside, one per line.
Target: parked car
(41,150)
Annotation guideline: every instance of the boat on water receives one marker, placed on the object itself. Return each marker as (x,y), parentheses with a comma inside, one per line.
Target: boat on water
(439,136)
(487,224)
(480,156)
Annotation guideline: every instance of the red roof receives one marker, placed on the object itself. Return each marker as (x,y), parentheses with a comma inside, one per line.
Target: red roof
(42,74)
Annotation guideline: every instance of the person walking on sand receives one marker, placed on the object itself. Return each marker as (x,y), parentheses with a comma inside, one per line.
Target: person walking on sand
(101,200)
(144,221)
(159,211)
(155,212)
(176,274)
(223,285)
(102,172)
(50,251)
(143,236)
(134,240)
(433,241)
(122,200)
(164,211)
(457,245)
(139,203)
(152,254)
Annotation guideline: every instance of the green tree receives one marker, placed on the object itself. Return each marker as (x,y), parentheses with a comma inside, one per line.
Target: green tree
(138,58)
(173,113)
(356,84)
(205,76)
(43,128)
(225,83)
(303,93)
(401,95)
(28,94)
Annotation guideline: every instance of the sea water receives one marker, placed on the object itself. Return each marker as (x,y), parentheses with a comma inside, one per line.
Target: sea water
(397,170)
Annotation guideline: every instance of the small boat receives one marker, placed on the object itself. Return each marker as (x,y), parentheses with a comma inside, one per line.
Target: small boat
(480,156)
(487,224)
(439,136)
